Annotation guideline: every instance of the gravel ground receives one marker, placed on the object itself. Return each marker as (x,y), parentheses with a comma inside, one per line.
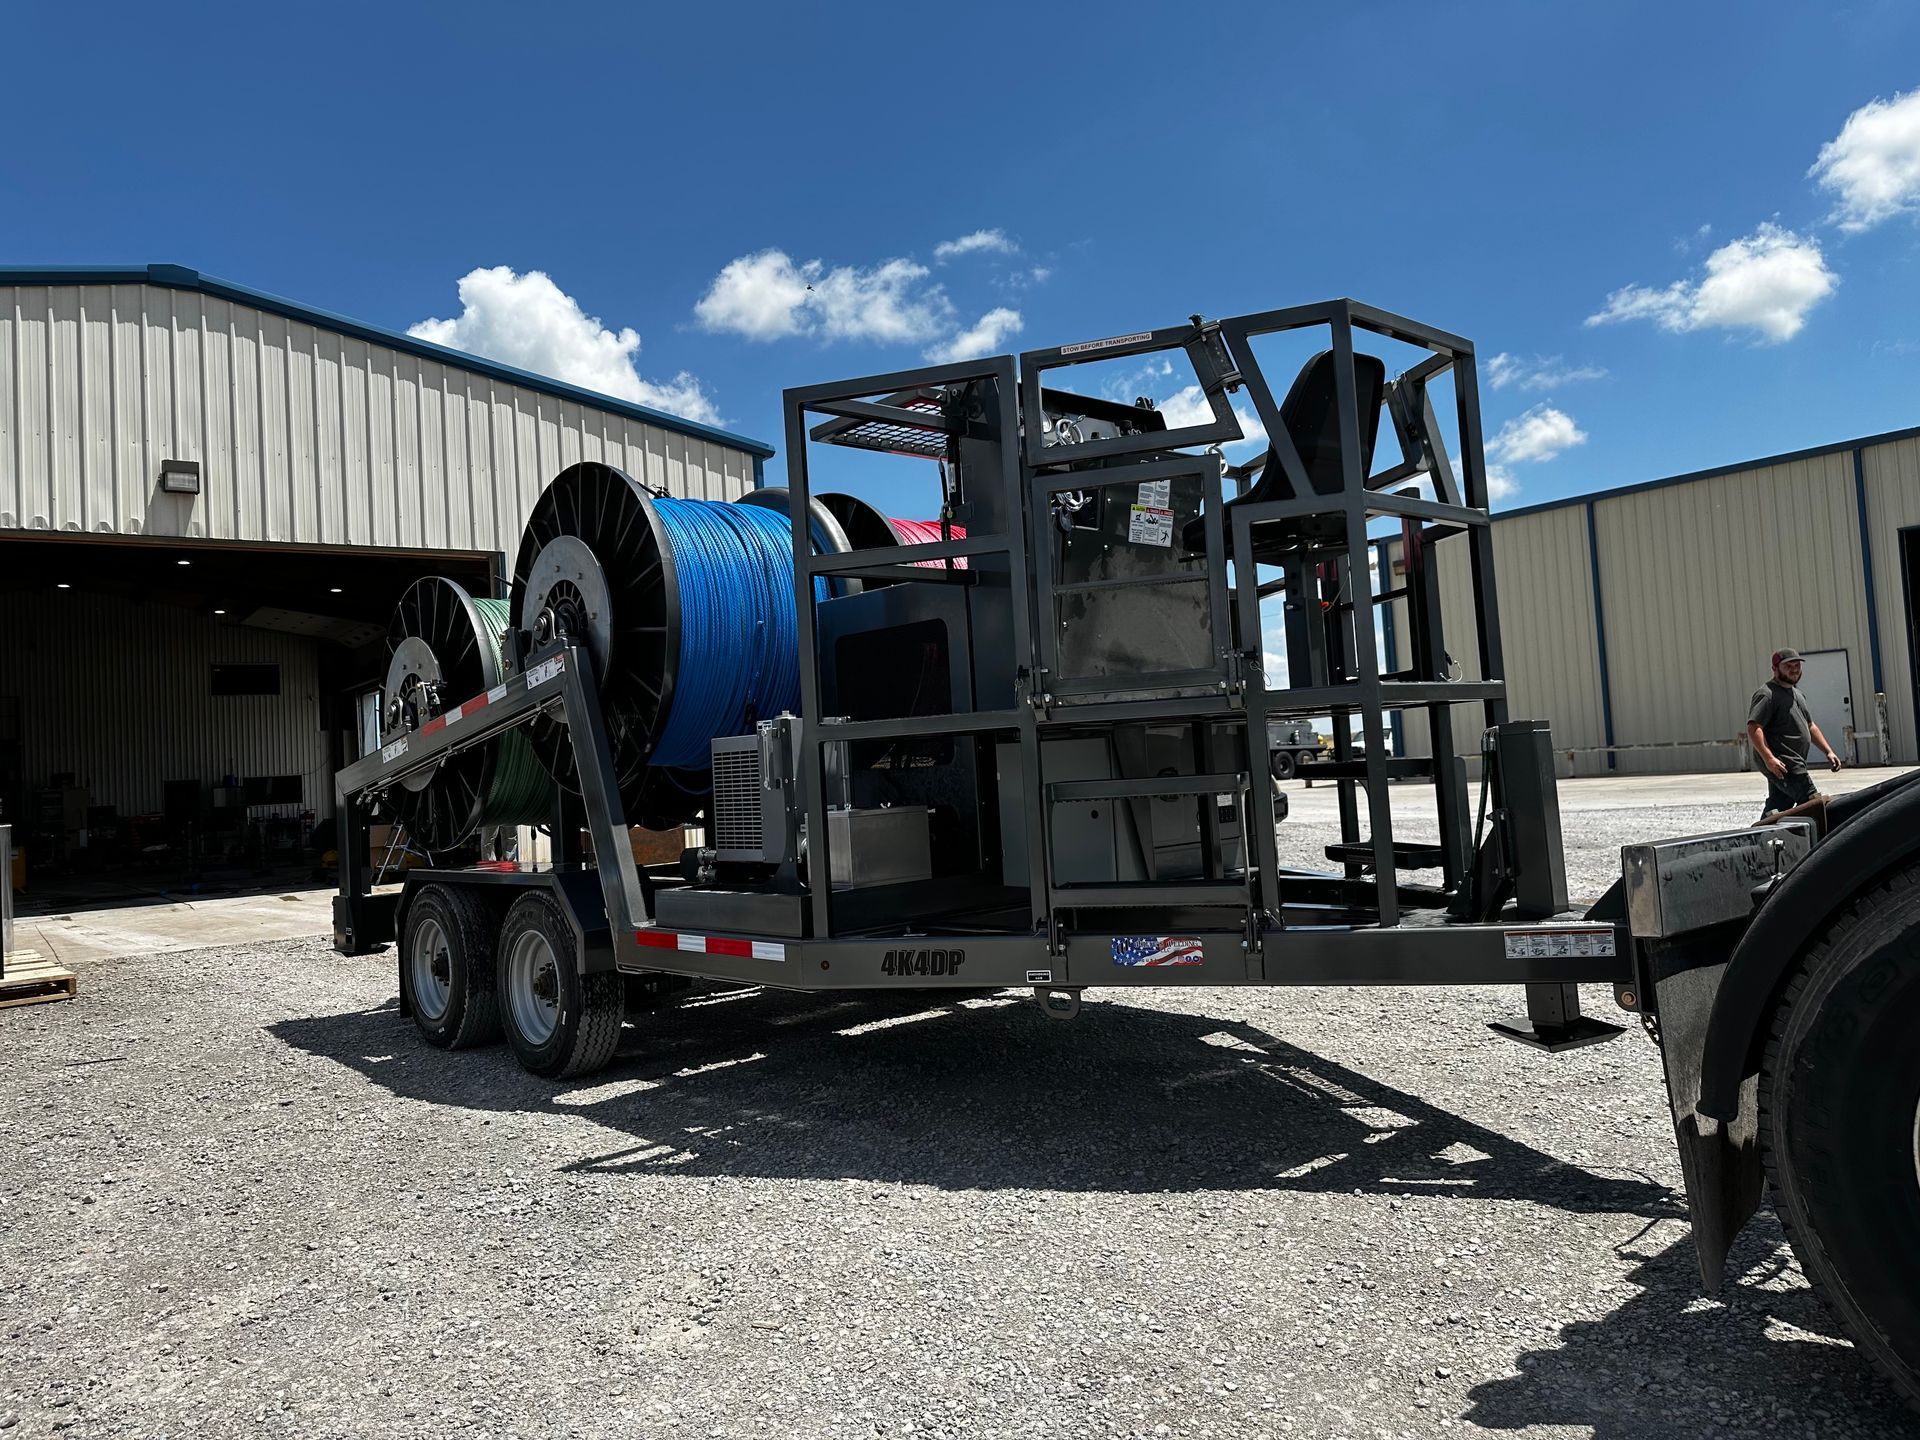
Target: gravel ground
(237,1196)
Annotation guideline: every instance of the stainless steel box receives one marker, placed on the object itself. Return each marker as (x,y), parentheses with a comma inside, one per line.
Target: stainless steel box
(878,847)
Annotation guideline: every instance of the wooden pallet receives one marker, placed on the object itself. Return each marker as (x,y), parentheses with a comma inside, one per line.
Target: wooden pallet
(31,979)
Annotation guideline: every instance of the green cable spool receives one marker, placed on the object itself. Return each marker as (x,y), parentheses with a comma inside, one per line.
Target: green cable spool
(446,647)
(521,792)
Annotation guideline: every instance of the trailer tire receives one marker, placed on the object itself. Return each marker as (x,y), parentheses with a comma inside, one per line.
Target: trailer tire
(1283,764)
(559,1022)
(447,968)
(1840,1122)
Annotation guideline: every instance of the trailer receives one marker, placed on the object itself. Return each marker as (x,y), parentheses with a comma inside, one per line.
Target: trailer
(1035,743)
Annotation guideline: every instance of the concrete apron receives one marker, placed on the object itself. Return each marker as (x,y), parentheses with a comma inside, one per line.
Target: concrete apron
(76,937)
(1610,792)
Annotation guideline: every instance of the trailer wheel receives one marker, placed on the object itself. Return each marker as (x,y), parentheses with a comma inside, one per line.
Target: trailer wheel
(447,967)
(1840,1122)
(560,1023)
(1283,764)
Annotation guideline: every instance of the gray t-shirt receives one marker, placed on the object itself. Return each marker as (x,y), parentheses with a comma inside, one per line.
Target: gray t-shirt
(1784,719)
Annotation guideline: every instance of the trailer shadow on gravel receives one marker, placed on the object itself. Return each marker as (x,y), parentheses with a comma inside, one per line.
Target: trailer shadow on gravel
(987,1094)
(1763,1357)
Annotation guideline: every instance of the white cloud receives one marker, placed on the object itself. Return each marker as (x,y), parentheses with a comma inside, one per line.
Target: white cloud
(1039,274)
(1502,483)
(1873,164)
(1766,282)
(766,296)
(1273,646)
(977,242)
(1685,244)
(983,337)
(1529,439)
(1540,434)
(1188,406)
(1539,372)
(529,322)
(760,296)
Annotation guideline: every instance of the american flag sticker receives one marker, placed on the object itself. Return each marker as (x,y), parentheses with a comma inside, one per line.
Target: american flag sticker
(1157,950)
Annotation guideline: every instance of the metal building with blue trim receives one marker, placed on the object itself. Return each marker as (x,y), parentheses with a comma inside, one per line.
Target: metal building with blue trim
(1639,620)
(206,489)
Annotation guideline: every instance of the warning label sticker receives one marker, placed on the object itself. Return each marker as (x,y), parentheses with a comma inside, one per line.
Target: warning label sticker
(1156,493)
(391,753)
(544,671)
(1150,525)
(1109,343)
(1559,944)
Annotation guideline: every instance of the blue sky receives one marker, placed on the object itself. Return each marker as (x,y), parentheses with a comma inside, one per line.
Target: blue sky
(1506,171)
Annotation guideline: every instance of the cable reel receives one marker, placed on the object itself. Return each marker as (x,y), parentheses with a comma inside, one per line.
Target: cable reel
(444,647)
(686,608)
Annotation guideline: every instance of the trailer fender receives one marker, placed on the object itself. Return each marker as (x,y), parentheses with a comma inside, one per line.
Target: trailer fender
(1871,835)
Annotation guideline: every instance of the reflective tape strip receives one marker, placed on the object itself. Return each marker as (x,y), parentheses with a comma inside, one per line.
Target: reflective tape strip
(711,945)
(464,708)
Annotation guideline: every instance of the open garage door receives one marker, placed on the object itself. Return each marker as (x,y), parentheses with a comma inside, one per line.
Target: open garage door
(176,709)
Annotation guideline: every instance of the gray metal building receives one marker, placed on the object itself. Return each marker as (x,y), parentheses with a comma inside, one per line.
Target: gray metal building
(210,501)
(1639,620)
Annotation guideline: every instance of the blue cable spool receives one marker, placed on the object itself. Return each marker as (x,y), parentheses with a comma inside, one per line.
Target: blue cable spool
(739,634)
(687,610)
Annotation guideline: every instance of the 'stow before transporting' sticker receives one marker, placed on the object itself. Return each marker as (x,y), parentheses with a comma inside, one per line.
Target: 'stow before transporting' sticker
(1109,343)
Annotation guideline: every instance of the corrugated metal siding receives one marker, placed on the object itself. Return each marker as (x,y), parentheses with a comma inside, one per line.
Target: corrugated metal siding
(139,712)
(1543,583)
(303,435)
(1703,581)
(1892,474)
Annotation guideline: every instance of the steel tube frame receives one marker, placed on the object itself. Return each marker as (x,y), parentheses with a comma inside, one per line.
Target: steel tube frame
(1425,950)
(560,682)
(834,398)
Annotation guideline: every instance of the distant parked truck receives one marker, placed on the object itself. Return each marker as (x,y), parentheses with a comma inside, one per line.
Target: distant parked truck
(1292,743)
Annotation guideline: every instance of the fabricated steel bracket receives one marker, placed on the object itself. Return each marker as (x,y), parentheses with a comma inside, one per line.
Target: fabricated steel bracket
(1687,902)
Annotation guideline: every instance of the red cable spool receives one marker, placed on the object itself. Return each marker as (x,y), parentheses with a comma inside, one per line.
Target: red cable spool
(867,529)
(927,532)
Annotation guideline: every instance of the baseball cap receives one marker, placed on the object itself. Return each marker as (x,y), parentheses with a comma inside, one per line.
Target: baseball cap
(1780,657)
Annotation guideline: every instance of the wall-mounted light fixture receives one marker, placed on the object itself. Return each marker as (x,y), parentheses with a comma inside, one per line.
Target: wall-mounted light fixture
(180,477)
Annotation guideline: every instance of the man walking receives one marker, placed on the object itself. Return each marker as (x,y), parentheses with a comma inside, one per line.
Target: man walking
(1781,730)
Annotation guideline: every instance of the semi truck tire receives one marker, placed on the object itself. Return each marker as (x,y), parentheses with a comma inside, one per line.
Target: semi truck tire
(1840,1122)
(559,1022)
(448,970)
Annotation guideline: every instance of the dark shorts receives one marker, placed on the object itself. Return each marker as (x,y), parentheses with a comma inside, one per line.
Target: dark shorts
(1796,789)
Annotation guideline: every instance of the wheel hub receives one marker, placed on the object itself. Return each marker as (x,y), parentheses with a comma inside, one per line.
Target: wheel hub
(432,967)
(533,987)
(566,594)
(413,695)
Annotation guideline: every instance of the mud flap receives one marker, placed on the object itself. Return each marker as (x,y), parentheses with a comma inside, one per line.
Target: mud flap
(1720,1161)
